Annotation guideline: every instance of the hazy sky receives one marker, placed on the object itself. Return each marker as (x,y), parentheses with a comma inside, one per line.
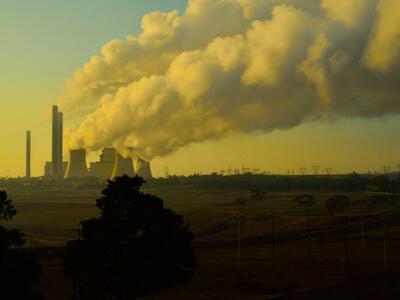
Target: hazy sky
(42,42)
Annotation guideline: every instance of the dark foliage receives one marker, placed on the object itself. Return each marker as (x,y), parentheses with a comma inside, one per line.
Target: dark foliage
(382,200)
(7,210)
(18,269)
(257,193)
(305,200)
(344,183)
(338,203)
(134,247)
(387,184)
(383,183)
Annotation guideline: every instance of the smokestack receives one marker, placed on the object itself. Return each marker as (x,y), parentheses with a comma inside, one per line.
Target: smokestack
(57,143)
(142,168)
(28,154)
(77,167)
(122,166)
(54,152)
(60,144)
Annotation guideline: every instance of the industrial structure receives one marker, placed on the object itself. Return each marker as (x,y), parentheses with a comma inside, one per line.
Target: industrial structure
(57,144)
(111,164)
(28,154)
(77,167)
(123,166)
(48,169)
(142,168)
(103,169)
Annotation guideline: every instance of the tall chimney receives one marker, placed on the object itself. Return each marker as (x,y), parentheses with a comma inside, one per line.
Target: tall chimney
(55,141)
(28,154)
(60,144)
(57,144)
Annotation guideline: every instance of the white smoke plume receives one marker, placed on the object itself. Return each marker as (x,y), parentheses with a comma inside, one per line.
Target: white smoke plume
(237,66)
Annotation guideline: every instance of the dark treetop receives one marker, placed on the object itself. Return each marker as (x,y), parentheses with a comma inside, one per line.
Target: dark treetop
(134,247)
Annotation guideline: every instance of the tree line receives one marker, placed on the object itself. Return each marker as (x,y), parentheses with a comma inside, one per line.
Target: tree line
(340,183)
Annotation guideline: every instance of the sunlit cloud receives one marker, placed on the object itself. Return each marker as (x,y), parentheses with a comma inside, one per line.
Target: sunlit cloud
(236,66)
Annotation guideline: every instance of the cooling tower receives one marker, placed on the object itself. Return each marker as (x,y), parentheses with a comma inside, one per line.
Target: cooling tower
(103,169)
(142,168)
(77,167)
(122,166)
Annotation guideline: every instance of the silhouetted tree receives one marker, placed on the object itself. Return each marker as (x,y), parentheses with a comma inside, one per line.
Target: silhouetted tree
(257,193)
(383,183)
(382,200)
(18,270)
(7,210)
(134,247)
(338,203)
(306,201)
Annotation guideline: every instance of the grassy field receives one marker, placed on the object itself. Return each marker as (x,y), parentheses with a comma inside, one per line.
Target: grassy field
(50,218)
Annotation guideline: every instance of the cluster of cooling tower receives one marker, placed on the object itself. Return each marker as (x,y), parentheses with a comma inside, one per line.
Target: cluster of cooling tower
(112,164)
(116,165)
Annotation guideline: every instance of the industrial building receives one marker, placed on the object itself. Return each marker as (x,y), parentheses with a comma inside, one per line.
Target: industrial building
(48,169)
(55,168)
(104,168)
(112,164)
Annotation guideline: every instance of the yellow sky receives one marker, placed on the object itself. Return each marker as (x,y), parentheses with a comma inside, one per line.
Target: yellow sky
(42,44)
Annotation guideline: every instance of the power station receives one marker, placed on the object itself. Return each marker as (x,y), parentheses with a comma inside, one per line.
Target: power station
(112,164)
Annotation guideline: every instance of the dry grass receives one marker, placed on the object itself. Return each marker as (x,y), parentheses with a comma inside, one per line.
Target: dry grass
(50,219)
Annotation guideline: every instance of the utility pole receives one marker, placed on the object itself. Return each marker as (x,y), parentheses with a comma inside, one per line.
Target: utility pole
(273,235)
(316,169)
(77,288)
(362,231)
(385,263)
(166,171)
(241,203)
(308,238)
(78,232)
(346,229)
(303,170)
(328,171)
(239,252)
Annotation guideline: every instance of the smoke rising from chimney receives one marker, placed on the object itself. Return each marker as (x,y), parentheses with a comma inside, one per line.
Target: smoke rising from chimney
(237,66)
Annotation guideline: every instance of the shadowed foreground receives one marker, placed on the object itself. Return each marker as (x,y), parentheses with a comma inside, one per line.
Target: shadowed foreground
(221,275)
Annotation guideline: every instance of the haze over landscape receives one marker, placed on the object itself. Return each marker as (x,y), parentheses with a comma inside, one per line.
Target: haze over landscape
(269,84)
(200,149)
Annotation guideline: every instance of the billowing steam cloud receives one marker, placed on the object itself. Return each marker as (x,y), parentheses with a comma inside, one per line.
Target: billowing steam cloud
(237,66)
